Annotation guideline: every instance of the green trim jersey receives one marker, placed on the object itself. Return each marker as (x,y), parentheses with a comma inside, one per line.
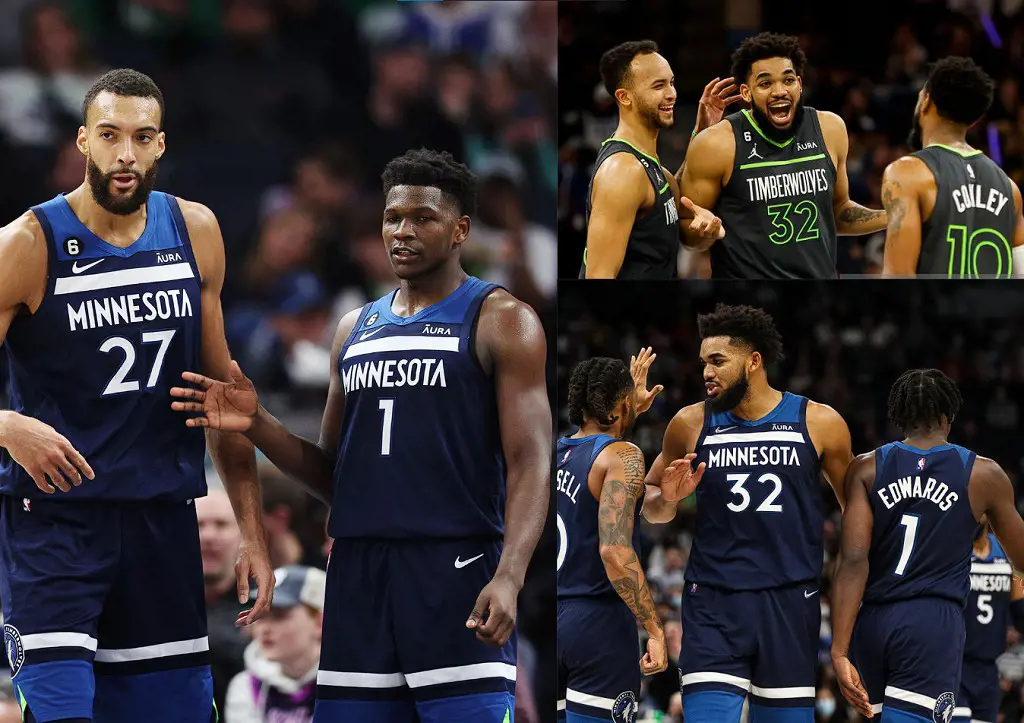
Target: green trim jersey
(777,207)
(969,233)
(652,251)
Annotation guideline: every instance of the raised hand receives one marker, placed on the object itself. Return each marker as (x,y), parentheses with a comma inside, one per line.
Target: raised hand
(704,224)
(230,406)
(639,365)
(679,479)
(714,100)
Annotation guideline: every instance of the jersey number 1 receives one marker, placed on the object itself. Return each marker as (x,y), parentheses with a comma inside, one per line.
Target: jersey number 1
(388,407)
(909,536)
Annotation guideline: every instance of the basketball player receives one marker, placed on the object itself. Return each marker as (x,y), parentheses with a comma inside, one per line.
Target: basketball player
(775,174)
(750,608)
(437,405)
(600,479)
(911,511)
(107,294)
(953,213)
(634,211)
(992,599)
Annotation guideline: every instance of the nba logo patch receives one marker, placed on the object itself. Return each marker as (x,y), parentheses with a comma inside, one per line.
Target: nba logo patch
(371,319)
(566,455)
(693,588)
(15,650)
(26,504)
(624,708)
(944,705)
(920,463)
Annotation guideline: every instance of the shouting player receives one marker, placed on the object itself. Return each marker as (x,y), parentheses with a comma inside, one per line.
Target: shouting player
(107,295)
(750,608)
(437,406)
(952,211)
(775,174)
(911,511)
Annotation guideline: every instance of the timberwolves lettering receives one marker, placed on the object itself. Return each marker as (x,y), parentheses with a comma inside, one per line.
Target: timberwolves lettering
(394,373)
(774,456)
(129,309)
(567,483)
(906,487)
(795,183)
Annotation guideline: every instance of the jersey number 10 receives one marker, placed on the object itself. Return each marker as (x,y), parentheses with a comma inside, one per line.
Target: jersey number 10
(969,244)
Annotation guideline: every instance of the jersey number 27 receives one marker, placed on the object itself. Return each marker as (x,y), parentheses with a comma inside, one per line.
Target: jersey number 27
(119,383)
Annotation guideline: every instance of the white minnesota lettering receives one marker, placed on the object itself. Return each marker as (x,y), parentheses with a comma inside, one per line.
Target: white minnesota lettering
(753,456)
(990,583)
(394,373)
(129,309)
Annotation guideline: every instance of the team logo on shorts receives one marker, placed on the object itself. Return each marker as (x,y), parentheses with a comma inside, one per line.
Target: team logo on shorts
(371,319)
(15,650)
(944,705)
(624,708)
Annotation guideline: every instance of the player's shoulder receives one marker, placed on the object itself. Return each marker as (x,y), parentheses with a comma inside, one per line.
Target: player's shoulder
(988,468)
(344,328)
(690,417)
(828,120)
(906,170)
(819,413)
(620,171)
(862,467)
(716,137)
(197,216)
(23,235)
(623,453)
(507,313)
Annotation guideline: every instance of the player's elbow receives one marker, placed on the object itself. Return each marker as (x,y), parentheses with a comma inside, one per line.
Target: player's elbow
(615,557)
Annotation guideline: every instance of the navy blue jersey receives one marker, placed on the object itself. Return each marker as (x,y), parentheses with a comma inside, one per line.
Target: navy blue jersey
(759,517)
(988,603)
(581,571)
(924,527)
(420,451)
(97,359)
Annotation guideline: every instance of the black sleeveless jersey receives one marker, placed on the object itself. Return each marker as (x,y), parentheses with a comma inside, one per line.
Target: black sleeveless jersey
(777,207)
(652,251)
(970,231)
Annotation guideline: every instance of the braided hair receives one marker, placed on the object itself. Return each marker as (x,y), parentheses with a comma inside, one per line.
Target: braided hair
(922,397)
(596,386)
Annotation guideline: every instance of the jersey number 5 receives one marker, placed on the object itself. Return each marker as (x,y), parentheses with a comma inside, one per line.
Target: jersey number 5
(118,383)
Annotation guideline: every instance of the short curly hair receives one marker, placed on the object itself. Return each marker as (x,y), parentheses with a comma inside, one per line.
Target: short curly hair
(614,65)
(596,386)
(962,91)
(126,83)
(763,46)
(744,324)
(438,169)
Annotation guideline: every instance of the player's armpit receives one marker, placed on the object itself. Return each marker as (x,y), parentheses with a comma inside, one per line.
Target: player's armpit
(901,192)
(619,189)
(831,436)
(991,494)
(852,570)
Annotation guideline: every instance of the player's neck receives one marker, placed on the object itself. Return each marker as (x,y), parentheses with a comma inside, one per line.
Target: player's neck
(759,401)
(590,428)
(632,131)
(415,295)
(926,438)
(945,135)
(114,229)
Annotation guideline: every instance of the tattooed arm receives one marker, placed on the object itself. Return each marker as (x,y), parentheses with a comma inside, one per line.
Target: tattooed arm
(901,191)
(852,219)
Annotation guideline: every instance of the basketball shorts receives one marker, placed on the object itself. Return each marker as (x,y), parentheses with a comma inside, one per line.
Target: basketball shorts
(396,648)
(909,654)
(761,643)
(104,613)
(598,660)
(979,697)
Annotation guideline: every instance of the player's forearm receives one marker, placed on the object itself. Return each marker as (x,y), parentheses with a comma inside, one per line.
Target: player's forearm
(607,263)
(852,219)
(626,575)
(297,457)
(847,593)
(235,460)
(526,509)
(656,508)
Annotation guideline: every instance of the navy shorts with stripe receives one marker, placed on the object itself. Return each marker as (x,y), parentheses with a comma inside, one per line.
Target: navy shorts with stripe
(396,648)
(598,660)
(104,611)
(980,695)
(758,642)
(909,654)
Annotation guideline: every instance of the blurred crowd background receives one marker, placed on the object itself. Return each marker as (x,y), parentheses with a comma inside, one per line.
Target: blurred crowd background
(844,346)
(866,63)
(281,115)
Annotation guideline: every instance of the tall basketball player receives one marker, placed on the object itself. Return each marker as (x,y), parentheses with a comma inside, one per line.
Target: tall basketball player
(107,295)
(775,174)
(601,583)
(911,511)
(635,215)
(953,212)
(435,448)
(750,609)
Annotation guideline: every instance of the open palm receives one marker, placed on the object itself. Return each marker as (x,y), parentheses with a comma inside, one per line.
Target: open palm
(718,95)
(679,480)
(230,406)
(639,365)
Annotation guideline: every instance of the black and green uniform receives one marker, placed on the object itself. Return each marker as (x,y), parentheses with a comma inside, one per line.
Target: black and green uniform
(777,207)
(970,231)
(652,251)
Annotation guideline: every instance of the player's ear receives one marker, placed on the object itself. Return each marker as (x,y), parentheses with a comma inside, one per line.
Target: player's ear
(745,93)
(161,145)
(82,141)
(462,226)
(622,95)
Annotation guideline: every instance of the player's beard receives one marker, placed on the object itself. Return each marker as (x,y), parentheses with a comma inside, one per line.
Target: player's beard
(915,139)
(651,117)
(730,397)
(100,182)
(779,135)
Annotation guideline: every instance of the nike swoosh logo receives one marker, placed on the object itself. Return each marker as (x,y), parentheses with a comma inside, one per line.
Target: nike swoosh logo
(459,564)
(76,269)
(723,429)
(368,334)
(809,594)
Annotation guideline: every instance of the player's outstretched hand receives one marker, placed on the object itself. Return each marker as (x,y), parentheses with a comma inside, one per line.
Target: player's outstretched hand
(494,614)
(46,454)
(254,561)
(718,95)
(230,406)
(655,659)
(704,224)
(679,479)
(638,368)
(852,688)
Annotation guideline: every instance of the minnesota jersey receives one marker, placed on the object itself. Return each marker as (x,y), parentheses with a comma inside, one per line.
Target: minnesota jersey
(969,233)
(97,359)
(777,206)
(580,569)
(420,451)
(759,518)
(988,603)
(652,251)
(923,524)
